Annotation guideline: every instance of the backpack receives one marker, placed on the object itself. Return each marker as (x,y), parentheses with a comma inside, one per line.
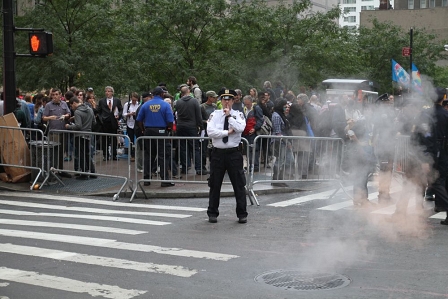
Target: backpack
(266,127)
(203,95)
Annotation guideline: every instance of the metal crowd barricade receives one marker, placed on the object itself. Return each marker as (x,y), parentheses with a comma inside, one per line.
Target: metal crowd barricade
(184,160)
(100,167)
(20,159)
(402,154)
(288,159)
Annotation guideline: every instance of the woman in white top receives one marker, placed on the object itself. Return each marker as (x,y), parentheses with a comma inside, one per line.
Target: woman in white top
(129,114)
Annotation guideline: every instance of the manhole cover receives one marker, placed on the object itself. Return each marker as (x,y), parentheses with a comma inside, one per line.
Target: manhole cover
(303,281)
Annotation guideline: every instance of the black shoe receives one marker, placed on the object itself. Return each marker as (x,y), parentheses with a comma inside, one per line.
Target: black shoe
(212,219)
(83,177)
(242,220)
(77,174)
(167,185)
(65,175)
(115,158)
(438,209)
(147,183)
(93,176)
(444,222)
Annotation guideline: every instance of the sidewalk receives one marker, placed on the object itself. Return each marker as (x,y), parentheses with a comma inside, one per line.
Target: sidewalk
(109,185)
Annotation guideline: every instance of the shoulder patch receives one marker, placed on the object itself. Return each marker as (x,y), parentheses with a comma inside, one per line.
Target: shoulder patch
(242,115)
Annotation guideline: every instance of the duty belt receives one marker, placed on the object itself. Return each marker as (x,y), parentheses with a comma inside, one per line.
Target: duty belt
(225,150)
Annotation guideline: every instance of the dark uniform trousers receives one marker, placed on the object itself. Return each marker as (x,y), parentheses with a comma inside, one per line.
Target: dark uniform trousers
(439,185)
(230,160)
(156,148)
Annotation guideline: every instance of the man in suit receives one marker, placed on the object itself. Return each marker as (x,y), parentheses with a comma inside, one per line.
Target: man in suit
(109,110)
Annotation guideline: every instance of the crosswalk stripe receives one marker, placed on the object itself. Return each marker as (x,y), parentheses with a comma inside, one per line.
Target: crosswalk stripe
(100,202)
(337,206)
(72,226)
(306,198)
(90,217)
(96,260)
(373,197)
(114,244)
(66,284)
(441,215)
(88,210)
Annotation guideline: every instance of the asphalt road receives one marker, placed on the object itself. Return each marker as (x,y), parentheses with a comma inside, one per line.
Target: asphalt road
(68,247)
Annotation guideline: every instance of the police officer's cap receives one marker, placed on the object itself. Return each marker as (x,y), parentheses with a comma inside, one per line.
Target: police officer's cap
(440,94)
(384,98)
(146,94)
(227,94)
(158,91)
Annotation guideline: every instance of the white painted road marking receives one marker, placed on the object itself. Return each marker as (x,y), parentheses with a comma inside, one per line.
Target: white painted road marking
(72,226)
(306,198)
(66,284)
(441,215)
(96,260)
(90,217)
(100,202)
(109,243)
(88,210)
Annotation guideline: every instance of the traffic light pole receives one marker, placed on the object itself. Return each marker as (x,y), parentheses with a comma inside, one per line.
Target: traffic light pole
(9,70)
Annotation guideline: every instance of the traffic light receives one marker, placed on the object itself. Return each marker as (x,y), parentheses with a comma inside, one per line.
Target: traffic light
(41,43)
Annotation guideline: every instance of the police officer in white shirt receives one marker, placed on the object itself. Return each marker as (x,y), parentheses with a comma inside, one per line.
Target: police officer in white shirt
(224,127)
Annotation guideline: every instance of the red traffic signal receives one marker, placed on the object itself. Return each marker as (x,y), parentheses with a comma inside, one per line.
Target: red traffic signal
(41,43)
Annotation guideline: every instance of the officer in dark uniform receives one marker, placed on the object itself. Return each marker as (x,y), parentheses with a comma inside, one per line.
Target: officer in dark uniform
(386,127)
(155,118)
(438,148)
(225,127)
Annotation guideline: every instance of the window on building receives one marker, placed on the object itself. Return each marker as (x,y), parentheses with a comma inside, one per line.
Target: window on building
(445,3)
(422,3)
(410,4)
(432,3)
(369,7)
(350,9)
(349,1)
(350,19)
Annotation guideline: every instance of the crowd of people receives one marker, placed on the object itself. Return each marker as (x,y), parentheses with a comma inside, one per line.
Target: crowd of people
(369,131)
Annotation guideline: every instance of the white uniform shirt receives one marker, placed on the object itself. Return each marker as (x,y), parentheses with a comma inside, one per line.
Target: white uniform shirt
(130,121)
(215,128)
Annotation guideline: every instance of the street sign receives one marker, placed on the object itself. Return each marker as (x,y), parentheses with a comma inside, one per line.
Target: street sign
(406,51)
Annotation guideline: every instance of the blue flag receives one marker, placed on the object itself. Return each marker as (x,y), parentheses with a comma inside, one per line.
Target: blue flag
(400,75)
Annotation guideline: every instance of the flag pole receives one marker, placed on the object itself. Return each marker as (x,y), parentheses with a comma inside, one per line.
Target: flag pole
(411,83)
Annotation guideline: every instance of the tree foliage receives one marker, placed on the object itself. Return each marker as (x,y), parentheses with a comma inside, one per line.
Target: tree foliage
(136,44)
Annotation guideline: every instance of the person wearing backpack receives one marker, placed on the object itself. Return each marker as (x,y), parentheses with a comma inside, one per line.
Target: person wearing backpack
(195,90)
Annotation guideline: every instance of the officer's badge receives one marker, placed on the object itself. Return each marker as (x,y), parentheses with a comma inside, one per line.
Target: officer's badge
(210,117)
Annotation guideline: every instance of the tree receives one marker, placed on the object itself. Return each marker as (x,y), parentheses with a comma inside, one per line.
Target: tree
(384,41)
(80,34)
